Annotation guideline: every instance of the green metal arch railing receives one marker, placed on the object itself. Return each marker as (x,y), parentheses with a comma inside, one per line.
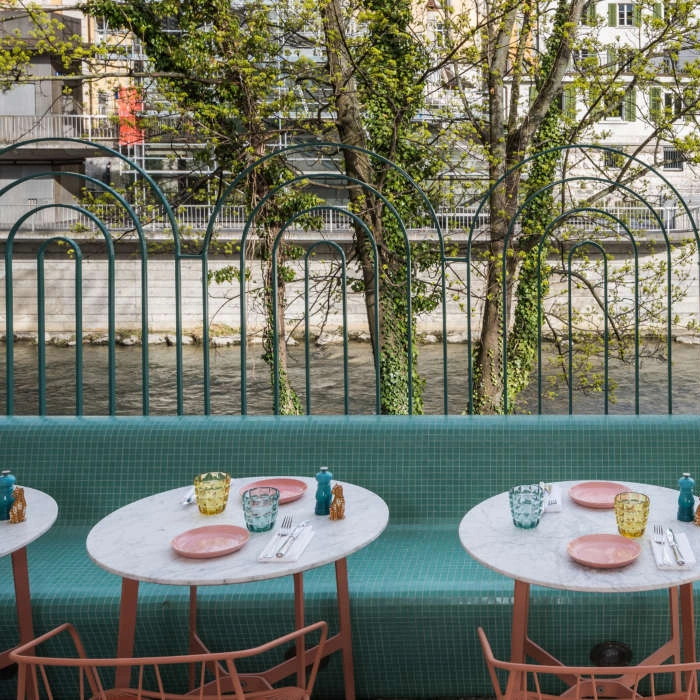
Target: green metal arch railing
(498,183)
(552,225)
(532,199)
(110,257)
(163,201)
(306,147)
(246,230)
(309,179)
(307,334)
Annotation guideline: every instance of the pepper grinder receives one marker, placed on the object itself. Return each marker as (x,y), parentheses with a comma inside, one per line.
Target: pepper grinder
(686,499)
(323,492)
(7,486)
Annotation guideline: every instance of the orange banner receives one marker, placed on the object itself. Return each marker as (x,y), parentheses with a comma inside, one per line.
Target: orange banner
(129,105)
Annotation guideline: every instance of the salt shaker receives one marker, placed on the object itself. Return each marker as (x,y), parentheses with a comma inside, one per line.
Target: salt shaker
(686,499)
(323,492)
(7,487)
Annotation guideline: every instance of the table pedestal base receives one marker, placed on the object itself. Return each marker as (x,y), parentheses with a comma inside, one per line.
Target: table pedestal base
(679,647)
(341,641)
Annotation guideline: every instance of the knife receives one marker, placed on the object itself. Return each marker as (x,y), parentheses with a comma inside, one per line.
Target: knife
(295,533)
(671,537)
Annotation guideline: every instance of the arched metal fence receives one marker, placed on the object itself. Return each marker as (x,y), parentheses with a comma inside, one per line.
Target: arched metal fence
(616,286)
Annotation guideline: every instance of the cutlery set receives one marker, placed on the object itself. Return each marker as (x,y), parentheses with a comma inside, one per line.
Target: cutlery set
(663,537)
(287,536)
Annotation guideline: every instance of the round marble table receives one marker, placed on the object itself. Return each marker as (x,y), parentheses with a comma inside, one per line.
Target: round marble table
(42,512)
(539,556)
(134,543)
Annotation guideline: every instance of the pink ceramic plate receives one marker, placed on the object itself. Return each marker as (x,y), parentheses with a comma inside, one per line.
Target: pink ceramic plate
(596,494)
(603,551)
(210,541)
(290,489)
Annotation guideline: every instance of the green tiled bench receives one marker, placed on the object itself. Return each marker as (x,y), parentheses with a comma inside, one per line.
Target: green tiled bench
(417,597)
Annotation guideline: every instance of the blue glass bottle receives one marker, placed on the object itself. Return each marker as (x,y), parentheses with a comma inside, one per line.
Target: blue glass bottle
(323,492)
(686,498)
(7,486)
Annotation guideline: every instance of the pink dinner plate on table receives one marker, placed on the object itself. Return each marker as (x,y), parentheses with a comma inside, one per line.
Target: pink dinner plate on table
(290,489)
(596,494)
(603,551)
(210,541)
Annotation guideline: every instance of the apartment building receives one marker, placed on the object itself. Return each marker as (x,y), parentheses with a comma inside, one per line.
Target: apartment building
(111,111)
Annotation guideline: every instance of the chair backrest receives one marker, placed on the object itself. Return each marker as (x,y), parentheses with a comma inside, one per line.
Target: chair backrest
(532,681)
(205,676)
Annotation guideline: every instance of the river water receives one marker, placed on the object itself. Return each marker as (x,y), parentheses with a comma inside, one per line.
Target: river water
(326,382)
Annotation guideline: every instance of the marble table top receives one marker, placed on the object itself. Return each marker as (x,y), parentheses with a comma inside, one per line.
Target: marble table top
(134,541)
(41,515)
(539,556)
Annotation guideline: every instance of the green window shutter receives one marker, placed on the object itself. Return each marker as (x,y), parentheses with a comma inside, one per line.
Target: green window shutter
(658,12)
(612,14)
(655,103)
(636,15)
(612,57)
(569,102)
(532,93)
(589,14)
(630,106)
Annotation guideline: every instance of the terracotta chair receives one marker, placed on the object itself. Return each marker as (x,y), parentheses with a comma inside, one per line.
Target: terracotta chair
(532,681)
(214,674)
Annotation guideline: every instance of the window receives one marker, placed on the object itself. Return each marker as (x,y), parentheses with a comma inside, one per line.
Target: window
(585,58)
(673,158)
(664,105)
(624,107)
(588,14)
(623,14)
(613,160)
(568,101)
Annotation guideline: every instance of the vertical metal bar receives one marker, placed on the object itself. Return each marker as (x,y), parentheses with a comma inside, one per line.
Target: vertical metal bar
(9,329)
(307,329)
(78,331)
(206,368)
(111,331)
(41,333)
(145,389)
(178,332)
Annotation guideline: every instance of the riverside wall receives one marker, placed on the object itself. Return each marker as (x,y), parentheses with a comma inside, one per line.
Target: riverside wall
(224,300)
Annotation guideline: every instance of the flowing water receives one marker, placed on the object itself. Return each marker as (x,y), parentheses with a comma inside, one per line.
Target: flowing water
(326,383)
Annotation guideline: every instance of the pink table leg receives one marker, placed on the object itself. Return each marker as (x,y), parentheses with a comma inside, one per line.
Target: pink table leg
(521,608)
(688,623)
(23,603)
(127,627)
(341,582)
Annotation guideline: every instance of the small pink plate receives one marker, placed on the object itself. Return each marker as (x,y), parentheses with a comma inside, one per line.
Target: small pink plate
(603,551)
(210,541)
(290,489)
(596,494)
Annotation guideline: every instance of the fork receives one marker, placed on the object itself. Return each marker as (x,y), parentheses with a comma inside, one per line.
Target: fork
(284,531)
(660,539)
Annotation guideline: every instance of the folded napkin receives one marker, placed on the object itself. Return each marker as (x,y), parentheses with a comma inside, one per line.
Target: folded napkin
(552,498)
(669,561)
(296,549)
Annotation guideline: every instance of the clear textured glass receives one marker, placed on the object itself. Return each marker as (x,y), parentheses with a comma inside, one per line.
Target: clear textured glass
(526,505)
(260,508)
(211,491)
(631,512)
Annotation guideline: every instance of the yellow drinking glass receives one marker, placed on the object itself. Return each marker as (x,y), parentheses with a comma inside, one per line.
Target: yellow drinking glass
(211,490)
(631,512)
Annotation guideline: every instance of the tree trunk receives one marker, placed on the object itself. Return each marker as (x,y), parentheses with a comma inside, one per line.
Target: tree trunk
(391,332)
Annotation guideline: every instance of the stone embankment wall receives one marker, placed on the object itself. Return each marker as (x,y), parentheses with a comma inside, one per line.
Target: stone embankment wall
(224,302)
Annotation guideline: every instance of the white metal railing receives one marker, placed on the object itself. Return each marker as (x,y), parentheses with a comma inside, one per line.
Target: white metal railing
(194,218)
(92,127)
